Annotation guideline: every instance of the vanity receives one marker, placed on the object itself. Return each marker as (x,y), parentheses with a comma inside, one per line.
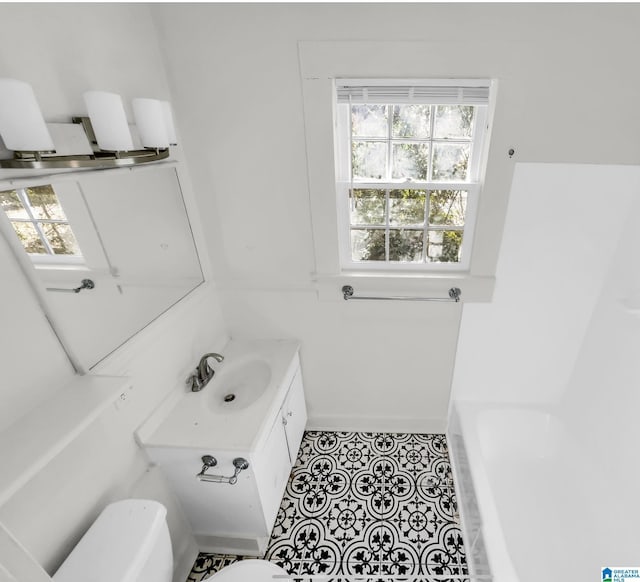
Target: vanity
(252,410)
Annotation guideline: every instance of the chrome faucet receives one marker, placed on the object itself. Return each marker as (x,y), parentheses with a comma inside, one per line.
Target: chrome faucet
(200,378)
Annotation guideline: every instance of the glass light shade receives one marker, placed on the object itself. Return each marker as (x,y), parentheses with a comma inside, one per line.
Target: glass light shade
(168,121)
(150,120)
(109,121)
(22,126)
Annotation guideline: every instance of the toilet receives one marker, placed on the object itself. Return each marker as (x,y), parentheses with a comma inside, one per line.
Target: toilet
(129,542)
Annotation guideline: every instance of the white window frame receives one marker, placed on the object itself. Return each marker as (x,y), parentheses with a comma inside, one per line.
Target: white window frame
(392,92)
(69,192)
(50,258)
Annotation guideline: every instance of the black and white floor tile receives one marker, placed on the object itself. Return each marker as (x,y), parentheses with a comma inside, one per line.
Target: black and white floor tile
(365,505)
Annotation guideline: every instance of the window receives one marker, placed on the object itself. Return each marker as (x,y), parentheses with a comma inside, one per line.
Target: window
(408,166)
(39,221)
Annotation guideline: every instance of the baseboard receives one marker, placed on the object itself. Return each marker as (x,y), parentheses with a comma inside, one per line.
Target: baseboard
(255,547)
(377,424)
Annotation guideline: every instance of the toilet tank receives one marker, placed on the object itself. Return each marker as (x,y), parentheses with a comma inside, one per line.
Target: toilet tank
(129,542)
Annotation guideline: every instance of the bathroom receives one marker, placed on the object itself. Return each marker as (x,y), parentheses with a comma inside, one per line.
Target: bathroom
(567,93)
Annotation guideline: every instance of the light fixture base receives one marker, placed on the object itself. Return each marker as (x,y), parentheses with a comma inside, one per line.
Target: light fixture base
(99,159)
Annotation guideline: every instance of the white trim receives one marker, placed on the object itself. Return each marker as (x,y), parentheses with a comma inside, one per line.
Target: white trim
(322,65)
(58,261)
(376,424)
(343,140)
(479,132)
(426,82)
(427,91)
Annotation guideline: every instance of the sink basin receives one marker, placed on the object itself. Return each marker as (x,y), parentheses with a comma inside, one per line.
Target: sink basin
(238,384)
(257,373)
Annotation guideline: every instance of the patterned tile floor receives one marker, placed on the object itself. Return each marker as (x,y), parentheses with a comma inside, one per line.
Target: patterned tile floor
(365,505)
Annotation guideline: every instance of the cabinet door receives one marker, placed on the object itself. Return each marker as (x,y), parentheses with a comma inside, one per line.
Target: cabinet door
(272,470)
(294,416)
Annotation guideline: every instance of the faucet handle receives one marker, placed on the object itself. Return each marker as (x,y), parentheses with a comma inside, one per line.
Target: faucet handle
(194,383)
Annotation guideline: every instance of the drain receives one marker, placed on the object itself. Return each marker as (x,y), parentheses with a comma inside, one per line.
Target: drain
(229,397)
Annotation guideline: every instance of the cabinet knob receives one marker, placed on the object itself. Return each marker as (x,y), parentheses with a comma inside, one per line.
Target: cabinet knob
(284,421)
(289,413)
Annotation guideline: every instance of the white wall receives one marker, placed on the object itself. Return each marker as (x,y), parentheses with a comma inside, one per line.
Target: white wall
(236,73)
(63,50)
(559,240)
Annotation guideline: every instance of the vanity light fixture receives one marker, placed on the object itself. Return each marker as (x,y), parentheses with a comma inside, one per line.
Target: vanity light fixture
(24,131)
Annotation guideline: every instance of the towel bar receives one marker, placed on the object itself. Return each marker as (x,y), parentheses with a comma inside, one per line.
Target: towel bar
(454,295)
(84,284)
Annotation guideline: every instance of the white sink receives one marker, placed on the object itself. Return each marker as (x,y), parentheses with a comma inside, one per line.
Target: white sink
(238,384)
(257,373)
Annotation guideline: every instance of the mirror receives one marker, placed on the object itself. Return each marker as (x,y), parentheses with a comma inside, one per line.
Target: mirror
(107,252)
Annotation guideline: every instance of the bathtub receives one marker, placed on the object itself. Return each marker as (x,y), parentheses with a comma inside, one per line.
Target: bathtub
(534,504)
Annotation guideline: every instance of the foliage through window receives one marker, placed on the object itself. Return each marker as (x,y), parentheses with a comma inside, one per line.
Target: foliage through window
(39,221)
(409,172)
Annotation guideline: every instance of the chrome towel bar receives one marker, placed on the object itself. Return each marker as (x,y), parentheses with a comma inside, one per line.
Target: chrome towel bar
(84,284)
(208,461)
(454,295)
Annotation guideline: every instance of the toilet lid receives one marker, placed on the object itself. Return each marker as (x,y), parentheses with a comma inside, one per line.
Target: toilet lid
(250,571)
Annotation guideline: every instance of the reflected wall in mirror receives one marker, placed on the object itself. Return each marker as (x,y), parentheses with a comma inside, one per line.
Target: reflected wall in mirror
(125,231)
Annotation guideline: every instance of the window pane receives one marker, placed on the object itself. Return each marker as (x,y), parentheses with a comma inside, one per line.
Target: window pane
(367,206)
(412,121)
(453,121)
(45,203)
(61,238)
(447,207)
(29,237)
(444,246)
(405,245)
(407,207)
(410,160)
(368,245)
(11,204)
(450,161)
(369,120)
(369,159)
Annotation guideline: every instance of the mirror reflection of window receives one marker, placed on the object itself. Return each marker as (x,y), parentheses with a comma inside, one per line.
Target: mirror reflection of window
(126,230)
(39,221)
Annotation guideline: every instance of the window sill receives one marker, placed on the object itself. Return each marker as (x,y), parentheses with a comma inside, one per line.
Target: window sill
(52,266)
(475,289)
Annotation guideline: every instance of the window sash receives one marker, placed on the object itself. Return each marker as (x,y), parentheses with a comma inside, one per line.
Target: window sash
(350,92)
(50,256)
(345,227)
(344,140)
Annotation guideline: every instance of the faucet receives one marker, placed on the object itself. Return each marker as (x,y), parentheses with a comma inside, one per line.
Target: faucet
(200,378)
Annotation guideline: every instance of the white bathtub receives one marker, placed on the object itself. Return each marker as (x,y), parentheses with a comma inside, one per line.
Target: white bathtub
(534,504)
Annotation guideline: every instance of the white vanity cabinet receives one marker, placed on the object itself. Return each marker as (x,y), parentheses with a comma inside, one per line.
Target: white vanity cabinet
(294,416)
(235,518)
(273,464)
